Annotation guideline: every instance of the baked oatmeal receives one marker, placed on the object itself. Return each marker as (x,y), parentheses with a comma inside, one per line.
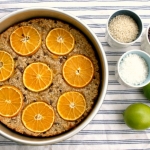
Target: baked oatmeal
(58,86)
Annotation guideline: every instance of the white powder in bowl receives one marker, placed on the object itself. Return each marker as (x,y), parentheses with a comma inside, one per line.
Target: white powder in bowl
(133,69)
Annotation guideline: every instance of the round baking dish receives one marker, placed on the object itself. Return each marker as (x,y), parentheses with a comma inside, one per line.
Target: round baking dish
(28,13)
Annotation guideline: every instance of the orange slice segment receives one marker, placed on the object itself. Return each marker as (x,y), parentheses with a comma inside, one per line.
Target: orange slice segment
(25,40)
(59,41)
(6,65)
(78,71)
(37,77)
(71,105)
(38,117)
(11,100)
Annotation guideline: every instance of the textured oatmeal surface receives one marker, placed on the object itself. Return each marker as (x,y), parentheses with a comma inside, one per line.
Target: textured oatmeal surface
(58,86)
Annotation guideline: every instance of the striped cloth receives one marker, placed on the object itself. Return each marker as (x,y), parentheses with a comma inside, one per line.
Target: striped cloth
(107,130)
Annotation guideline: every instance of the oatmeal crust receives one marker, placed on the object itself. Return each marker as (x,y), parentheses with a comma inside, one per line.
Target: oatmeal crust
(58,86)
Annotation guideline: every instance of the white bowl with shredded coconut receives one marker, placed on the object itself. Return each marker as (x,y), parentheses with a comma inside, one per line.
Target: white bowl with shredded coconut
(123,28)
(133,69)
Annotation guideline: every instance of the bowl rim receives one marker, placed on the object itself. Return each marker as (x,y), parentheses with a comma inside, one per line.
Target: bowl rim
(108,20)
(51,140)
(147,29)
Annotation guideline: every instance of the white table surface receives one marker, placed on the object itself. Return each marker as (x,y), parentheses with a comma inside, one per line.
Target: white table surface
(107,130)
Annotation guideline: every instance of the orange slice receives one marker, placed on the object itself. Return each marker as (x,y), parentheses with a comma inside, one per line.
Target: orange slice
(59,41)
(78,71)
(6,65)
(71,105)
(37,77)
(25,40)
(38,117)
(11,100)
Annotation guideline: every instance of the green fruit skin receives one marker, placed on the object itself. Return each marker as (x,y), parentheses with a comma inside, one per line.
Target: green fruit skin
(137,116)
(146,90)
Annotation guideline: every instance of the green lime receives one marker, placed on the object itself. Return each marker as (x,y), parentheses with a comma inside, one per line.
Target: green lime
(146,90)
(137,116)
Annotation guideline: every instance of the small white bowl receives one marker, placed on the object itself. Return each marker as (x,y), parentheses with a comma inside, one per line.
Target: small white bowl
(113,42)
(145,43)
(118,76)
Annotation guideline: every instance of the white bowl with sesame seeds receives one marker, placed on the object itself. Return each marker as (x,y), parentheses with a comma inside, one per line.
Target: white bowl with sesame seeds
(123,29)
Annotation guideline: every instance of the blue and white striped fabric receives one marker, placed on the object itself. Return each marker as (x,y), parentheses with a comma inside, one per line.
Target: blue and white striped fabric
(107,130)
